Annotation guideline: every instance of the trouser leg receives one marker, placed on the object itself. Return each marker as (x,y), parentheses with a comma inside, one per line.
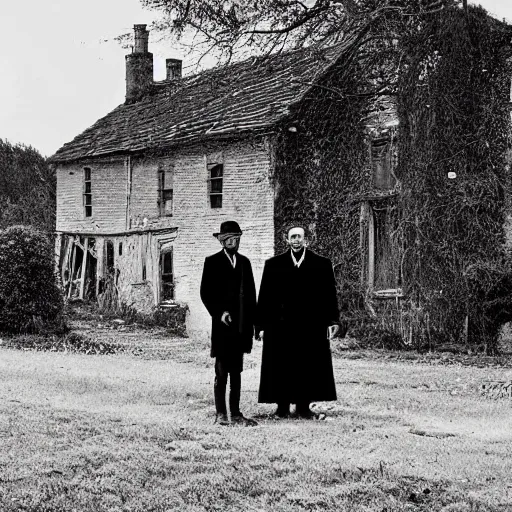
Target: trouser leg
(219,387)
(283,408)
(235,385)
(303,407)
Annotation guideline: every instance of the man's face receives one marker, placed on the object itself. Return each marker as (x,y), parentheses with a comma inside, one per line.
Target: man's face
(296,239)
(231,244)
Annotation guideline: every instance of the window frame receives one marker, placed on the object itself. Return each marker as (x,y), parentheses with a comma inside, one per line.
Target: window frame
(165,193)
(87,192)
(215,195)
(373,205)
(386,146)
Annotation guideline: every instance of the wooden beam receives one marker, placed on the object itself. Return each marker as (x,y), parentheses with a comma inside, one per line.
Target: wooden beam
(371,249)
(73,260)
(84,269)
(68,247)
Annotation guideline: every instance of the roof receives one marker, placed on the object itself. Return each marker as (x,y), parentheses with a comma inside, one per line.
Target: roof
(252,95)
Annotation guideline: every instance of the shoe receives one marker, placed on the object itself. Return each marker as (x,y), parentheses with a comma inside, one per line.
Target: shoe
(240,419)
(310,415)
(282,413)
(222,419)
(306,414)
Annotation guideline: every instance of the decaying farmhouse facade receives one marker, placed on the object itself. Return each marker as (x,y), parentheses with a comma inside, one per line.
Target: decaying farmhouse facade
(140,193)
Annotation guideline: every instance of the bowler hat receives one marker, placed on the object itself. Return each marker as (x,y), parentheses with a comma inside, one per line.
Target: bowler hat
(229,227)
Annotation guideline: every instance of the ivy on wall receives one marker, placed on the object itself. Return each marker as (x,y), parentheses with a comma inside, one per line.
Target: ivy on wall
(454,135)
(452,93)
(321,170)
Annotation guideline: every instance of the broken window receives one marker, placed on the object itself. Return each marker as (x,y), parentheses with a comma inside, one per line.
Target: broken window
(165,189)
(167,275)
(383,263)
(383,157)
(215,177)
(87,192)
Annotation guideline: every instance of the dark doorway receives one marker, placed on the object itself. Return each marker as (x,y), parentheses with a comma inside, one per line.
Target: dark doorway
(166,276)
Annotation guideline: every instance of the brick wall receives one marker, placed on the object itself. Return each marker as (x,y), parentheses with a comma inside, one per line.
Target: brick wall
(248,198)
(144,193)
(108,183)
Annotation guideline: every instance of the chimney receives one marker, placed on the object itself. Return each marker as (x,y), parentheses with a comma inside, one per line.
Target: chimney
(139,67)
(173,67)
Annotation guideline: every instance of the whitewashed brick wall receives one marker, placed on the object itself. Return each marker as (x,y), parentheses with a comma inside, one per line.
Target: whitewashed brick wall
(247,198)
(108,182)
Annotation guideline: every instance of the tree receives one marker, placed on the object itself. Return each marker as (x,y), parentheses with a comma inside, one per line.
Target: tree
(230,28)
(27,188)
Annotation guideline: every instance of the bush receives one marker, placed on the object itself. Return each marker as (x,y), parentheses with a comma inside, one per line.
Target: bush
(30,300)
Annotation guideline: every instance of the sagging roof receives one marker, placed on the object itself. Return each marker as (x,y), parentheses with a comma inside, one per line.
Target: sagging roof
(252,95)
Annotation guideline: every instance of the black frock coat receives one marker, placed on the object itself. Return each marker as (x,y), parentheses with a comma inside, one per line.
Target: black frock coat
(224,288)
(295,308)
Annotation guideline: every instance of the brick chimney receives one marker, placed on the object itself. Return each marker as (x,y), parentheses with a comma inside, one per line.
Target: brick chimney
(173,68)
(139,67)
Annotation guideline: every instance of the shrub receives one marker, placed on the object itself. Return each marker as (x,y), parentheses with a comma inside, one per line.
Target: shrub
(30,300)
(172,318)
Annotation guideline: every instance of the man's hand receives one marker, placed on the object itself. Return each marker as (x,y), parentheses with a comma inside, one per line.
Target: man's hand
(260,335)
(226,318)
(333,330)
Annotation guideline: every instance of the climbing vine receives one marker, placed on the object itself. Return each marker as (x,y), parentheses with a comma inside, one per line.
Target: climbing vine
(321,171)
(451,81)
(453,140)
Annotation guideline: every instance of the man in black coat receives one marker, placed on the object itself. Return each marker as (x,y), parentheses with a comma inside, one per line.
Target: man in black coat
(229,294)
(297,314)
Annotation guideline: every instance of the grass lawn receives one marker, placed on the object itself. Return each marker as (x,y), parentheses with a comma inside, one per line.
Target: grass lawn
(136,432)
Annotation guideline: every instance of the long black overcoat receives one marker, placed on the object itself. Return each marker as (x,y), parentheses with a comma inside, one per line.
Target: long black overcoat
(224,288)
(295,308)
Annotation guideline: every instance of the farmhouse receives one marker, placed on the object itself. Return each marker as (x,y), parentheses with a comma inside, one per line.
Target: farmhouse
(140,192)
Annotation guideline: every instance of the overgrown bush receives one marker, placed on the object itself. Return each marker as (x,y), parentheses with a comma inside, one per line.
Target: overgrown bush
(30,300)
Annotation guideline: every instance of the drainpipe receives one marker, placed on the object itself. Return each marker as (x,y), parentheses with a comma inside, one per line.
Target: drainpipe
(129,172)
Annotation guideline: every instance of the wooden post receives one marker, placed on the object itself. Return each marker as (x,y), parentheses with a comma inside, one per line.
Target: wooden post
(84,269)
(371,249)
(73,259)
(68,248)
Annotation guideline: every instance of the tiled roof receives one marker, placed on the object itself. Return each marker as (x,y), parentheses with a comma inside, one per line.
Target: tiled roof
(251,95)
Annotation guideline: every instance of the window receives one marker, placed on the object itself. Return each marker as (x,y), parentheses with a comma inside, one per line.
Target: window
(215,177)
(87,192)
(167,276)
(383,248)
(383,156)
(165,189)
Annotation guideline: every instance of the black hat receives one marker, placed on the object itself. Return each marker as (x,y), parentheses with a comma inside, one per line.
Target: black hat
(229,228)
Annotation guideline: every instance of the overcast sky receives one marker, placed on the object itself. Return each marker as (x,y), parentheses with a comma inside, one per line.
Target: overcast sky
(62,69)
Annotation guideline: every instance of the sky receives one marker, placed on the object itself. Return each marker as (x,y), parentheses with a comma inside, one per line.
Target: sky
(62,69)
